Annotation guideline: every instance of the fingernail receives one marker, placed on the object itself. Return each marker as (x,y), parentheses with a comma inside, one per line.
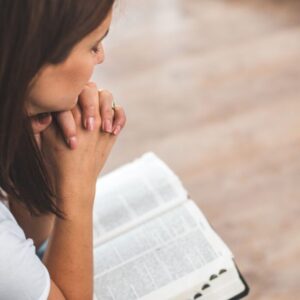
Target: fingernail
(117,130)
(72,141)
(107,126)
(90,123)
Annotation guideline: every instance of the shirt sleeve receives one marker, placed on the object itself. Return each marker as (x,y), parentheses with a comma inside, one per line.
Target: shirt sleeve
(22,275)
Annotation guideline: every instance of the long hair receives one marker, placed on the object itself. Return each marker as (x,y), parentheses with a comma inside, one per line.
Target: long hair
(34,33)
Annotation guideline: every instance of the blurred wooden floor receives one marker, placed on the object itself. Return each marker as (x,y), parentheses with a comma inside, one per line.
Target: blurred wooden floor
(213,87)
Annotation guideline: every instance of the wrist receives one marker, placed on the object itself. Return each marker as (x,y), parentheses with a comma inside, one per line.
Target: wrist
(75,198)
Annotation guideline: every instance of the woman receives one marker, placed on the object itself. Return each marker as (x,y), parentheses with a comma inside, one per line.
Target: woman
(56,132)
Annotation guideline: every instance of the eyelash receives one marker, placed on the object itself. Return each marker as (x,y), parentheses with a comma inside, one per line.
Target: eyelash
(96,49)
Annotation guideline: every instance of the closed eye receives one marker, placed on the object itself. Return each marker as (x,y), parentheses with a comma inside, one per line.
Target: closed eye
(97,48)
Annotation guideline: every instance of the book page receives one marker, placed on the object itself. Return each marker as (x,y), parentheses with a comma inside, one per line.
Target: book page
(154,255)
(134,193)
(224,284)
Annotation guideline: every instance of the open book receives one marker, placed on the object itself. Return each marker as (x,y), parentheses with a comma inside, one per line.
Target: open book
(151,242)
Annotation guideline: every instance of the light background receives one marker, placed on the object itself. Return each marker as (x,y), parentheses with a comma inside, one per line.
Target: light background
(213,88)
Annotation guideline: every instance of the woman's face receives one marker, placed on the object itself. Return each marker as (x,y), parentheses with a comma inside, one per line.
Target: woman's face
(56,87)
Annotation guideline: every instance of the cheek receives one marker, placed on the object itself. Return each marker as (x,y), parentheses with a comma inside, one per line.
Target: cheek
(77,74)
(84,72)
(57,89)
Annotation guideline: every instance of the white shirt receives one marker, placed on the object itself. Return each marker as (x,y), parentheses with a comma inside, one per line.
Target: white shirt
(22,275)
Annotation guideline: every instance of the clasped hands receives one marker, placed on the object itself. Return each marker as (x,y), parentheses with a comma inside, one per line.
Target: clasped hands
(92,103)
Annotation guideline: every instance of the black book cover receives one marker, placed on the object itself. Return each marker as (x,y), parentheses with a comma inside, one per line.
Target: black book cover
(245,292)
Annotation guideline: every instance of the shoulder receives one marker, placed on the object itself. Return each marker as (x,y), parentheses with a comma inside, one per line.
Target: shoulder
(22,274)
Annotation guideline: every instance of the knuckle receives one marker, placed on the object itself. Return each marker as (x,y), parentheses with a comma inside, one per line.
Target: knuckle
(85,88)
(90,88)
(107,112)
(107,94)
(92,85)
(88,107)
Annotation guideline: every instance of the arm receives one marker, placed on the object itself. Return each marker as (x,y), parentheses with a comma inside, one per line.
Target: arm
(39,228)
(69,256)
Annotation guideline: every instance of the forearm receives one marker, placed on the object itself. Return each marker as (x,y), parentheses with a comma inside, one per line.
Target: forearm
(69,255)
(36,228)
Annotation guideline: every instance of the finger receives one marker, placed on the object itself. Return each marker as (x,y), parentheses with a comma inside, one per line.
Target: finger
(67,125)
(119,119)
(37,138)
(40,123)
(106,111)
(77,115)
(89,104)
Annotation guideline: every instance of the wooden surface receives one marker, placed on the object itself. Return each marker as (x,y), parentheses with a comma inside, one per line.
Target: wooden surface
(213,88)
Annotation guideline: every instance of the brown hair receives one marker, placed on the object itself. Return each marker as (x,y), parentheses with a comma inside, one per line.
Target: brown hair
(34,33)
